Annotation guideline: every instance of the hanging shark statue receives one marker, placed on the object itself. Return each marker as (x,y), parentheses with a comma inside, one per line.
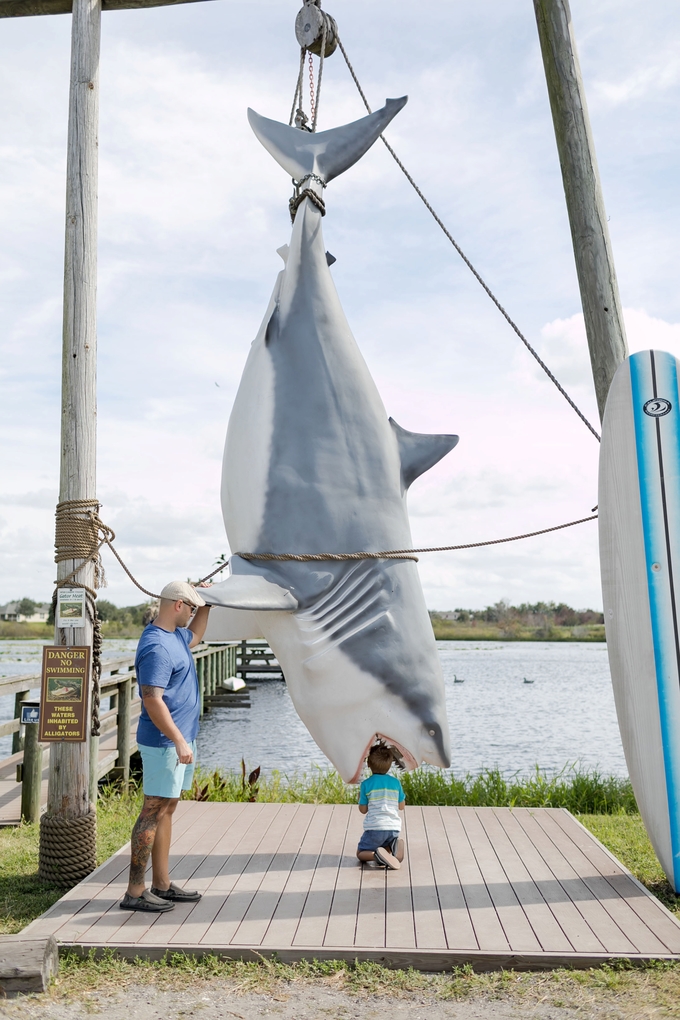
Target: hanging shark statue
(312,464)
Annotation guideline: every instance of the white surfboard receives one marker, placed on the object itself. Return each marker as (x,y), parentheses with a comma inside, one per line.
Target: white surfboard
(639,511)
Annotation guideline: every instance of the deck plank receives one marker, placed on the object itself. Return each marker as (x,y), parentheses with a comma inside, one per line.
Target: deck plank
(458,928)
(607,931)
(651,912)
(342,918)
(240,897)
(572,922)
(516,926)
(427,914)
(165,927)
(220,929)
(547,930)
(400,929)
(487,927)
(284,923)
(213,877)
(616,905)
(314,919)
(256,921)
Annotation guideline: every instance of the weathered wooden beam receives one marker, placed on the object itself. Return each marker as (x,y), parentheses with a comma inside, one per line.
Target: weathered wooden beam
(585,205)
(33,8)
(26,965)
(72,781)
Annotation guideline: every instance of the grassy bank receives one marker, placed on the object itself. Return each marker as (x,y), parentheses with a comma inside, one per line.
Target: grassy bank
(444,630)
(480,630)
(578,791)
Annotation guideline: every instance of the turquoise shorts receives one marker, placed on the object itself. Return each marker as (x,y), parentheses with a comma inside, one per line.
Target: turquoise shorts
(163,773)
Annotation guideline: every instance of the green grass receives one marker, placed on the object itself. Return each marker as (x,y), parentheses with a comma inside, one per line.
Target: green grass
(579,791)
(653,990)
(627,839)
(22,896)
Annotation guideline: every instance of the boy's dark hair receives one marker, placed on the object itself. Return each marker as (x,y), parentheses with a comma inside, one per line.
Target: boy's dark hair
(380,759)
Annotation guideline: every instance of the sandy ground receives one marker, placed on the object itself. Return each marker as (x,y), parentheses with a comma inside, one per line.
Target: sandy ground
(215,1001)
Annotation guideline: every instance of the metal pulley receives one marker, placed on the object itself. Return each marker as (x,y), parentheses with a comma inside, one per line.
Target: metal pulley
(310,24)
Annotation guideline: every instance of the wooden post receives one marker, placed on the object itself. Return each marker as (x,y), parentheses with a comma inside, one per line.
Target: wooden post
(17,737)
(69,781)
(31,773)
(123,732)
(587,218)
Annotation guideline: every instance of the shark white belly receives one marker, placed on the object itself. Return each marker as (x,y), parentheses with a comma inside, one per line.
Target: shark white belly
(313,465)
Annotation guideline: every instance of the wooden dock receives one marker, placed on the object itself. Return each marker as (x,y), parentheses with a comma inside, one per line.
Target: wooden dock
(493,887)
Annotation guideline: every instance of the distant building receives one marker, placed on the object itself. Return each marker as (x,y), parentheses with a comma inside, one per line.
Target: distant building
(10,612)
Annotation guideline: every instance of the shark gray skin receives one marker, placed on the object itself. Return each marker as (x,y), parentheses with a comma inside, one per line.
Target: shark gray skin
(312,464)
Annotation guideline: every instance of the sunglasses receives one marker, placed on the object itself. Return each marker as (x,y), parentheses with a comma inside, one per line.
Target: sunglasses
(194,609)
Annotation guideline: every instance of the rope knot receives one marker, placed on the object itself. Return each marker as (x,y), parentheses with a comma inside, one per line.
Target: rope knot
(299,197)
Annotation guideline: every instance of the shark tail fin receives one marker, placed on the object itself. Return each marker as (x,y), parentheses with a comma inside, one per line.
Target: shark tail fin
(326,153)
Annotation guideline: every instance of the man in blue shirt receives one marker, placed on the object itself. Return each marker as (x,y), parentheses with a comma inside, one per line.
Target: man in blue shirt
(166,737)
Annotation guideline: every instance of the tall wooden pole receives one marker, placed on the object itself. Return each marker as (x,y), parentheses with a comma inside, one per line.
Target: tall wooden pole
(592,247)
(70,818)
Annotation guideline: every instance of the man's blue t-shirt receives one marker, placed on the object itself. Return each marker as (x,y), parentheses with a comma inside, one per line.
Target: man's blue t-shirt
(163,660)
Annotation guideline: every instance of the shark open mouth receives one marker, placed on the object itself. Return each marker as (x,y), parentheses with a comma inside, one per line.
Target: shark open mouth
(403,757)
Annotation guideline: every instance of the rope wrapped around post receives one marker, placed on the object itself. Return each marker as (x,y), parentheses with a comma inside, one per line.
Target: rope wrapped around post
(67,848)
(80,534)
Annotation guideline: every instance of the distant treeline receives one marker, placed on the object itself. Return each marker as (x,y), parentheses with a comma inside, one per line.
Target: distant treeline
(540,621)
(538,614)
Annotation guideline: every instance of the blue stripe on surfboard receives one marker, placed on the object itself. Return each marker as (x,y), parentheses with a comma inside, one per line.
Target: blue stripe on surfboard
(659,518)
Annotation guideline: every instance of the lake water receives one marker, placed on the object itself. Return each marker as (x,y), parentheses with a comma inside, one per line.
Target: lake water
(566,715)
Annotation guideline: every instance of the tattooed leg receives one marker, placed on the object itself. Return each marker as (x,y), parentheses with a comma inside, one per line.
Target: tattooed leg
(160,854)
(143,837)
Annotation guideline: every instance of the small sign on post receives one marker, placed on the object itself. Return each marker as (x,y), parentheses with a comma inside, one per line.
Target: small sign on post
(30,714)
(63,694)
(71,607)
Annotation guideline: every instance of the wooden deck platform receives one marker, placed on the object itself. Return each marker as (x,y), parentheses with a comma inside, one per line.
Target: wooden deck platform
(488,886)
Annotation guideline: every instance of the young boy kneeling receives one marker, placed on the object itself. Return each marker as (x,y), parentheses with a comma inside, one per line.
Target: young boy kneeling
(382,800)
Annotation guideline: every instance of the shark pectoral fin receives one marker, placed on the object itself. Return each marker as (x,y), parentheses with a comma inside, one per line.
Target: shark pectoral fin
(249,591)
(419,452)
(328,153)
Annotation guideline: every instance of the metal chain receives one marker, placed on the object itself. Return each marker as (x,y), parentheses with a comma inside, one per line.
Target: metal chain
(318,84)
(312,105)
(464,257)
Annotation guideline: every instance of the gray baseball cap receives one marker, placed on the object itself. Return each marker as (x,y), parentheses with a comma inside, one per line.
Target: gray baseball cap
(184,591)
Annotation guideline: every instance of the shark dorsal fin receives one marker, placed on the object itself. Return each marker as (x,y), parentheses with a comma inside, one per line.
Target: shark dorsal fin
(419,452)
(327,153)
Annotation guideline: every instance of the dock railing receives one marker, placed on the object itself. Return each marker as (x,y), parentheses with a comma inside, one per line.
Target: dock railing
(215,662)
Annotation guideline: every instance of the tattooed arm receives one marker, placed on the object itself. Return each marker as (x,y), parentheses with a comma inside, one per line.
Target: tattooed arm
(159,714)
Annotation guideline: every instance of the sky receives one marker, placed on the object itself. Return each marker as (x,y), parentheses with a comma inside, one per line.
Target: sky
(192,210)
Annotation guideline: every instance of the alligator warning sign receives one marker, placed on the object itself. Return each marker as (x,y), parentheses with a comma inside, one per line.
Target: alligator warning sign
(63,695)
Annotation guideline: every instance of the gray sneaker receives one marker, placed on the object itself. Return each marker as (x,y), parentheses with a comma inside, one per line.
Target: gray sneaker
(147,901)
(387,859)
